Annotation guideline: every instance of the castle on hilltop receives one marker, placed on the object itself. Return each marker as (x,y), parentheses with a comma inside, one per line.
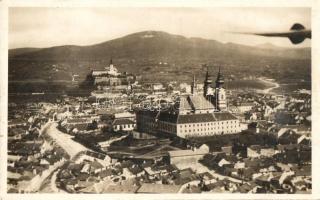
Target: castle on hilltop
(110,76)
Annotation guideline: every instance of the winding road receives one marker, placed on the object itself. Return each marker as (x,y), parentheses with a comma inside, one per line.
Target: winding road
(268,90)
(64,140)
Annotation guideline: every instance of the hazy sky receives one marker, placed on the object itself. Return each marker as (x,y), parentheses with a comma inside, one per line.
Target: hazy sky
(45,27)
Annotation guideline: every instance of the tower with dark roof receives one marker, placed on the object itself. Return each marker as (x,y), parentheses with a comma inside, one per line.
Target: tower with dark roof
(207,90)
(193,85)
(220,93)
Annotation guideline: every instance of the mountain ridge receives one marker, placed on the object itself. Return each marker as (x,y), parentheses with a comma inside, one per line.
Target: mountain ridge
(192,42)
(143,52)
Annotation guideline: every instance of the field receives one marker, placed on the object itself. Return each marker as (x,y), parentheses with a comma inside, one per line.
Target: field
(251,84)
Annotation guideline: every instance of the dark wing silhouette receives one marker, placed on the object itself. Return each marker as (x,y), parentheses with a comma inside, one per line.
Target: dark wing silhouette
(296,35)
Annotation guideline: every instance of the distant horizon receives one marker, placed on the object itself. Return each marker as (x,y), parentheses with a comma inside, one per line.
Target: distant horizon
(43,27)
(256,45)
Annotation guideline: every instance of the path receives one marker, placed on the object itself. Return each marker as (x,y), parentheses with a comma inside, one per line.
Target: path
(268,90)
(53,185)
(36,182)
(64,140)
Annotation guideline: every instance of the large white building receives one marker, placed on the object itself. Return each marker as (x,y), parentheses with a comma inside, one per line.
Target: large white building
(193,116)
(110,76)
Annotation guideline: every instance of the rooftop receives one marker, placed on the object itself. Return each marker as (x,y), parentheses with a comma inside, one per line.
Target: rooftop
(122,121)
(196,118)
(200,103)
(223,116)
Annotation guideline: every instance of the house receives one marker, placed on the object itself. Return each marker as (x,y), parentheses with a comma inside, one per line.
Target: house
(228,150)
(44,162)
(304,140)
(259,126)
(245,107)
(271,107)
(151,173)
(283,132)
(239,165)
(14,158)
(257,151)
(267,152)
(246,187)
(165,169)
(86,168)
(123,124)
(287,136)
(184,176)
(223,162)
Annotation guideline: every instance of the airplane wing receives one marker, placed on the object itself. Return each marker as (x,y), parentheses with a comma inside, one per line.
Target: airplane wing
(296,35)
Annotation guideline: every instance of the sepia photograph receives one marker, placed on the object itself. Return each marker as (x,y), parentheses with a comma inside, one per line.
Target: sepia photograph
(150,100)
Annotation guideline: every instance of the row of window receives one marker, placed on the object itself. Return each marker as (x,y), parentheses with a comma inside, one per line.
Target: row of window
(209,133)
(205,129)
(208,124)
(125,126)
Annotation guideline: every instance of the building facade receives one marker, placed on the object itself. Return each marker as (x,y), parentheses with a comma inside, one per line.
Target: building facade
(193,115)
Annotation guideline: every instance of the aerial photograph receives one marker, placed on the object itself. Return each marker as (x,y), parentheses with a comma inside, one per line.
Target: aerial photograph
(151,100)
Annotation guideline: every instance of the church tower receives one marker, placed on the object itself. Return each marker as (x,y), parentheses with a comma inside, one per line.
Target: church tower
(111,65)
(193,86)
(220,93)
(112,70)
(207,90)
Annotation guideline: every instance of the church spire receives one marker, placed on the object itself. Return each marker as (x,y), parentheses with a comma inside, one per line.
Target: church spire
(220,79)
(220,93)
(207,73)
(207,83)
(193,85)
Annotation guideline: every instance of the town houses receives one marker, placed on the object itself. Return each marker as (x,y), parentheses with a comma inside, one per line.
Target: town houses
(163,138)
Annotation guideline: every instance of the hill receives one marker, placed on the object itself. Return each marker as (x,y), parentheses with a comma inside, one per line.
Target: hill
(158,56)
(153,44)
(20,51)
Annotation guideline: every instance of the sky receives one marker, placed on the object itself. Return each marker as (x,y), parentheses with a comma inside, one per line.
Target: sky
(46,27)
